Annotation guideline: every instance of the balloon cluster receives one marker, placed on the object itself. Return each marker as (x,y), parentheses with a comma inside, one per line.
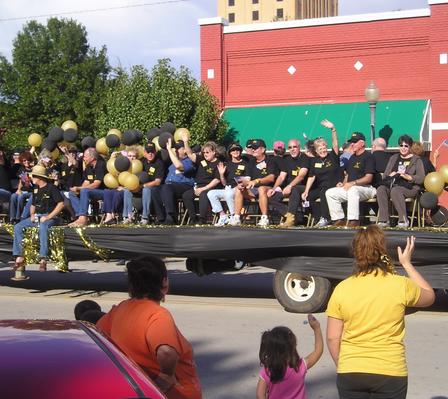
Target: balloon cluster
(435,182)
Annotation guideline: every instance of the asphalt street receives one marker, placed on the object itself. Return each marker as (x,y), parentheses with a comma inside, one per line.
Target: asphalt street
(223,316)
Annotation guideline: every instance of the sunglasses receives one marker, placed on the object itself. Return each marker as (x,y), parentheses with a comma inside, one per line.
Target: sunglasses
(404,145)
(293,146)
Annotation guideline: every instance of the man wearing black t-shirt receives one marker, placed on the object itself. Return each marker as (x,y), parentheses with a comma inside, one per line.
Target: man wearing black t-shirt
(289,183)
(356,187)
(46,206)
(91,188)
(260,179)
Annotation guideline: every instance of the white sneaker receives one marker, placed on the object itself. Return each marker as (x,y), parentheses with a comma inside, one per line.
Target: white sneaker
(263,222)
(223,220)
(127,220)
(235,220)
(144,222)
(383,224)
(403,225)
(322,222)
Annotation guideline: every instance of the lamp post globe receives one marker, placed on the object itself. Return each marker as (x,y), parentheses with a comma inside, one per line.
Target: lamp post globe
(372,95)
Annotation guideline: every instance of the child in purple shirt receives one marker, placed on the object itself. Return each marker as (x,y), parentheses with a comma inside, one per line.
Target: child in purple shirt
(282,375)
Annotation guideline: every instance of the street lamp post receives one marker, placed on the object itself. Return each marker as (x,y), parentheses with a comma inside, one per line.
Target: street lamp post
(372,94)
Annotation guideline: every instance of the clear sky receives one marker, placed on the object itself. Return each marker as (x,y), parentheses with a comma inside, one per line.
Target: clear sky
(146,30)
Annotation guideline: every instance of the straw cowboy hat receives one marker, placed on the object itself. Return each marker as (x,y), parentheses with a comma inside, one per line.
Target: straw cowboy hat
(40,171)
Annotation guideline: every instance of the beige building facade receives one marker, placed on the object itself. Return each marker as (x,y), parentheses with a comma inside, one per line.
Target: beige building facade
(252,11)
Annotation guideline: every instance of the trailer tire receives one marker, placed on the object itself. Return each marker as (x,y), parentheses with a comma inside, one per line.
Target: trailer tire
(300,294)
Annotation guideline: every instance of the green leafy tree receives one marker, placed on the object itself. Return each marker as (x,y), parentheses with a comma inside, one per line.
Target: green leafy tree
(54,75)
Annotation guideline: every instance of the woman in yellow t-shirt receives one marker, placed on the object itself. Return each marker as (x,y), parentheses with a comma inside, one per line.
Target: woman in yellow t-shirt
(365,327)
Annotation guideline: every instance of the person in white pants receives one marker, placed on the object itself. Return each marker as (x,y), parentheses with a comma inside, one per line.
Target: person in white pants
(229,172)
(356,186)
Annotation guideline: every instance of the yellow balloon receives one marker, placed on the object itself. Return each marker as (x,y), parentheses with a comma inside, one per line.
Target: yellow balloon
(131,182)
(136,166)
(141,151)
(55,154)
(69,125)
(155,140)
(444,172)
(110,181)
(111,167)
(114,131)
(179,132)
(101,146)
(34,139)
(434,183)
(122,177)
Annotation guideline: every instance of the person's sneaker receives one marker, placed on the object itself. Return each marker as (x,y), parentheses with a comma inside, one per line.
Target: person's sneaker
(223,220)
(383,224)
(322,222)
(263,222)
(403,225)
(235,220)
(127,220)
(144,222)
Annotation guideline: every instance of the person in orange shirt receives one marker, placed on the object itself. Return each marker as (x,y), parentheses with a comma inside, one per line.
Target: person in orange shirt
(147,333)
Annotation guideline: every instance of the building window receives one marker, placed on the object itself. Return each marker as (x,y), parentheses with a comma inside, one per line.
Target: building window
(254,1)
(279,13)
(231,3)
(231,17)
(255,16)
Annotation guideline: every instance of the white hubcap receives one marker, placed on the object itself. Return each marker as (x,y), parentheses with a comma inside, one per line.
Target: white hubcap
(298,289)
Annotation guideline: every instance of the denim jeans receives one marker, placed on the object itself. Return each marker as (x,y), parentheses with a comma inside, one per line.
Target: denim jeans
(16,204)
(81,204)
(127,203)
(113,201)
(5,195)
(216,196)
(19,231)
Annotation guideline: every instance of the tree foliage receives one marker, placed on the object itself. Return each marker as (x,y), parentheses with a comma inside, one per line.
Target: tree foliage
(142,100)
(54,75)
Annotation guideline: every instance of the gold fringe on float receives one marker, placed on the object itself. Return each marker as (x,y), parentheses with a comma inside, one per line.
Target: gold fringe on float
(103,254)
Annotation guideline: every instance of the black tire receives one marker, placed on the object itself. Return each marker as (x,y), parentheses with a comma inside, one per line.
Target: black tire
(300,294)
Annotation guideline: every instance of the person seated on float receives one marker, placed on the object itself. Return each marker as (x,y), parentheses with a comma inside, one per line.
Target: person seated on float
(155,169)
(418,149)
(229,172)
(178,180)
(92,187)
(25,188)
(47,204)
(113,197)
(5,179)
(403,178)
(260,179)
(356,186)
(289,184)
(206,178)
(325,172)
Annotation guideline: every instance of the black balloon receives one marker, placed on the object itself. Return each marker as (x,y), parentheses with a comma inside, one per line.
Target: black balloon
(164,155)
(439,216)
(128,137)
(138,135)
(112,140)
(70,135)
(56,134)
(88,142)
(163,139)
(48,144)
(168,127)
(429,200)
(121,163)
(143,177)
(154,132)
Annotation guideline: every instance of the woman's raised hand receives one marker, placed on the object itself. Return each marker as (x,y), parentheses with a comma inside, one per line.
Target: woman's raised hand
(404,256)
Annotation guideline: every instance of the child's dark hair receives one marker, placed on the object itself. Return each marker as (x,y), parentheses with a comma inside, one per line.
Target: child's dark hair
(278,350)
(146,277)
(84,306)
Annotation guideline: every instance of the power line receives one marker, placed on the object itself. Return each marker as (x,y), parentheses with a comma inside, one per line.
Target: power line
(161,2)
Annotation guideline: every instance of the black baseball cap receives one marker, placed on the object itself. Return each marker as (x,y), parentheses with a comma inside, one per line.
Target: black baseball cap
(235,146)
(150,147)
(257,143)
(357,136)
(179,144)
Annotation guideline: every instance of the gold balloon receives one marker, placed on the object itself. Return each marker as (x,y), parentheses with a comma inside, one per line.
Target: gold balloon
(444,172)
(55,154)
(110,181)
(434,183)
(101,146)
(180,132)
(155,140)
(136,166)
(122,177)
(114,131)
(111,167)
(131,182)
(141,151)
(69,125)
(34,139)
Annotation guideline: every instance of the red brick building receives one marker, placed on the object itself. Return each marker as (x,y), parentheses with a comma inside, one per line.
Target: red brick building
(294,71)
